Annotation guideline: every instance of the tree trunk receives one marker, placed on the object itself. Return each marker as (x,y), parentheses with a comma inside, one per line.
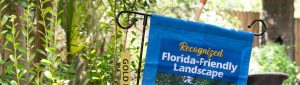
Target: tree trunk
(279,17)
(38,44)
(19,13)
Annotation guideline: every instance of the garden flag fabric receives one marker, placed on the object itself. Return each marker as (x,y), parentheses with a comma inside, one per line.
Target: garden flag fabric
(183,52)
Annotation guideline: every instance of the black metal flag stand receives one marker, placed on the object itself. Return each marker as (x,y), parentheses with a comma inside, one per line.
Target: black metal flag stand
(143,35)
(145,19)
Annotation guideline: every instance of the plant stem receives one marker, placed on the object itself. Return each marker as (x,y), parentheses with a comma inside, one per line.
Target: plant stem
(15,51)
(115,45)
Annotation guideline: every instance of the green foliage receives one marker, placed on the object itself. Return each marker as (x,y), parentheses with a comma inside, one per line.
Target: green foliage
(52,66)
(12,37)
(213,12)
(20,68)
(241,5)
(273,58)
(92,38)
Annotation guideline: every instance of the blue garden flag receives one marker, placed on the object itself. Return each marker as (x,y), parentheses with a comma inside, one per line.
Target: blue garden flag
(183,52)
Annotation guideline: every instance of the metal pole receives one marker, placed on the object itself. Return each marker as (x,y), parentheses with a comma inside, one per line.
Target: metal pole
(143,36)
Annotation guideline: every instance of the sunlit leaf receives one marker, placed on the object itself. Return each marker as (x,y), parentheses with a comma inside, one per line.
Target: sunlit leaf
(9,37)
(16,45)
(48,75)
(46,62)
(4,31)
(8,26)
(41,22)
(50,10)
(3,7)
(13,82)
(23,72)
(12,58)
(13,31)
(3,20)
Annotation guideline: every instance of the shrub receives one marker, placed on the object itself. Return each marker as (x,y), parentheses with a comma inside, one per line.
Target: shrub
(272,57)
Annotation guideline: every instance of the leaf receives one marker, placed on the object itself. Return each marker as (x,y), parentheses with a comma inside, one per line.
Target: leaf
(23,18)
(31,77)
(134,33)
(43,39)
(19,56)
(1,60)
(40,32)
(9,37)
(48,75)
(22,50)
(12,58)
(3,7)
(4,31)
(132,40)
(119,35)
(37,80)
(46,62)
(1,1)
(50,33)
(41,22)
(50,19)
(50,10)
(13,31)
(7,49)
(8,26)
(95,78)
(24,32)
(31,57)
(30,40)
(23,72)
(13,82)
(3,20)
(45,1)
(16,45)
(40,51)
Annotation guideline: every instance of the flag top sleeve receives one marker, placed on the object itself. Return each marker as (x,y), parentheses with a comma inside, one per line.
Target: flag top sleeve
(185,52)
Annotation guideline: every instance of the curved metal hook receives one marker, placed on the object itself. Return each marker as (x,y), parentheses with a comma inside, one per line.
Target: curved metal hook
(132,21)
(264,27)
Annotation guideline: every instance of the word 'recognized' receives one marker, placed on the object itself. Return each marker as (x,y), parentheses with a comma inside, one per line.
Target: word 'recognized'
(199,51)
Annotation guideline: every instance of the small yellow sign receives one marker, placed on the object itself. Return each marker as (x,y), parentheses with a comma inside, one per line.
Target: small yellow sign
(125,68)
